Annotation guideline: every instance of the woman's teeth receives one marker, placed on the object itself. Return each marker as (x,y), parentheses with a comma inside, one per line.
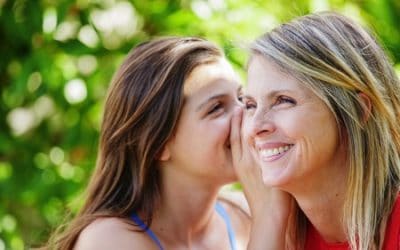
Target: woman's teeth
(274,151)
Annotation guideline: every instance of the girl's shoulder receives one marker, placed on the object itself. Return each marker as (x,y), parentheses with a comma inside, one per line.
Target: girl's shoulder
(234,199)
(113,233)
(235,204)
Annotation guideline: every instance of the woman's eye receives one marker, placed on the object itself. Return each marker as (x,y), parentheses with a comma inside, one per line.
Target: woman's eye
(284,100)
(249,105)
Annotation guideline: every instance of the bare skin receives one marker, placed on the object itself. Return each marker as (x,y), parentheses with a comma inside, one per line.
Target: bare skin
(282,125)
(270,207)
(193,167)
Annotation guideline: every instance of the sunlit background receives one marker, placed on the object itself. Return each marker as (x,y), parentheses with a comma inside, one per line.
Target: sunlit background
(57,58)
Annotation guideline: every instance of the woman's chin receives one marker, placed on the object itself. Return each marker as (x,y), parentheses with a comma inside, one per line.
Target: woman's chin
(275,177)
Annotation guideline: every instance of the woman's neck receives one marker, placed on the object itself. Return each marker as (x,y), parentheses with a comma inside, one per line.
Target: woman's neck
(321,197)
(325,213)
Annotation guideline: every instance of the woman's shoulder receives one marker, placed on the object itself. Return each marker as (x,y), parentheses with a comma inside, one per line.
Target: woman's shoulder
(394,218)
(392,232)
(113,233)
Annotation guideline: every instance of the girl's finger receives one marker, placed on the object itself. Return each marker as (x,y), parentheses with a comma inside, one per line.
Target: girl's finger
(235,137)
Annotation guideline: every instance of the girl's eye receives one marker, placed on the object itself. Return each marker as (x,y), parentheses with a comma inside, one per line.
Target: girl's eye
(284,100)
(216,107)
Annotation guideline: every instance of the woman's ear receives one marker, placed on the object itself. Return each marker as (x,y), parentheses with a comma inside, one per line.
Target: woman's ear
(366,105)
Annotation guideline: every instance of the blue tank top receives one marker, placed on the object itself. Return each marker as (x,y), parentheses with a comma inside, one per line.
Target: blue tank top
(218,207)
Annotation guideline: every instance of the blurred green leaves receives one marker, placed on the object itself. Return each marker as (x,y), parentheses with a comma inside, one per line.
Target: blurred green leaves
(57,59)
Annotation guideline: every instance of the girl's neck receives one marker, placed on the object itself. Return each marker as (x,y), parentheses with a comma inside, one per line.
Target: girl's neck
(186,211)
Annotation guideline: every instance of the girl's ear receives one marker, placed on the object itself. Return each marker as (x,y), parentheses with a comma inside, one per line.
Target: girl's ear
(165,154)
(365,102)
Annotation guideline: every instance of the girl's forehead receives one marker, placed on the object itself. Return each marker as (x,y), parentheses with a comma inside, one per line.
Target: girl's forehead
(206,74)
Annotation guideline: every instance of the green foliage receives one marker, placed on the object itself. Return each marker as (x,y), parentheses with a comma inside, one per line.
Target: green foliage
(57,58)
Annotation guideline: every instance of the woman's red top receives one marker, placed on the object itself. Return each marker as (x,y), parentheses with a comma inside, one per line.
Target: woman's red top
(314,241)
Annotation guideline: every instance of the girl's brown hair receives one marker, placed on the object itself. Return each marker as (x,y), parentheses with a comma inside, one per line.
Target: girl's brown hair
(141,111)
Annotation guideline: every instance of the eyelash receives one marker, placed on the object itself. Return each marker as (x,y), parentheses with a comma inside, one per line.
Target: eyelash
(214,108)
(248,104)
(284,99)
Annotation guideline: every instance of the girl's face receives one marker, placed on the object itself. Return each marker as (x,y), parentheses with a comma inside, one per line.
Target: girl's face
(292,133)
(200,145)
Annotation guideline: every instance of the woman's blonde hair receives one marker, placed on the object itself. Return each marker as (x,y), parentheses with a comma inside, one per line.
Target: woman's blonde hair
(340,61)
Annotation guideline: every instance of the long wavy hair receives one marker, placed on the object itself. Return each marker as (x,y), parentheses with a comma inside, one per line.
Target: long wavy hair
(141,111)
(338,60)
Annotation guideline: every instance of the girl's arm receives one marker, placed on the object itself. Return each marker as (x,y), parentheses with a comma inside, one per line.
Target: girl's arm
(269,207)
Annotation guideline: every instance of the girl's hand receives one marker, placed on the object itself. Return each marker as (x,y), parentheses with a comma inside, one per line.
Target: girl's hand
(269,207)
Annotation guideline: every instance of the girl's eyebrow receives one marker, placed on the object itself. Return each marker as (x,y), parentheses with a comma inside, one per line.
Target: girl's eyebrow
(217,96)
(210,99)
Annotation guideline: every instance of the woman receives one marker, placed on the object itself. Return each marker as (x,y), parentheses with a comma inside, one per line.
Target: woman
(164,154)
(321,118)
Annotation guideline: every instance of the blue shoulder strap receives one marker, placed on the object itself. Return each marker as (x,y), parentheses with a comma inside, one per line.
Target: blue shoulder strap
(220,209)
(143,226)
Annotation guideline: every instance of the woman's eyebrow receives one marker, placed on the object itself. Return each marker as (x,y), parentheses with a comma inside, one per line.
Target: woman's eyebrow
(270,94)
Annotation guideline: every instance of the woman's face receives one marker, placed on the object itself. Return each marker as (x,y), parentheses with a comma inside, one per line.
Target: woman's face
(200,144)
(292,133)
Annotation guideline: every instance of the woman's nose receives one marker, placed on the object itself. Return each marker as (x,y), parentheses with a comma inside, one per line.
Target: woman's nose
(261,123)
